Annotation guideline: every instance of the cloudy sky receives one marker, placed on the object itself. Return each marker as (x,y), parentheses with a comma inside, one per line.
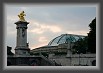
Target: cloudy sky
(48,21)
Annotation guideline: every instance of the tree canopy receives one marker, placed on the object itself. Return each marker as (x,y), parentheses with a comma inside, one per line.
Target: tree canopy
(92,37)
(9,51)
(88,44)
(80,46)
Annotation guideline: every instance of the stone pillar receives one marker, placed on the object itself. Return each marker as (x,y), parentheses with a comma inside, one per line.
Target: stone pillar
(69,53)
(21,42)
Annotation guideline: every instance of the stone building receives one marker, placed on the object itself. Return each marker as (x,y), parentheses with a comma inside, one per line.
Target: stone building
(59,50)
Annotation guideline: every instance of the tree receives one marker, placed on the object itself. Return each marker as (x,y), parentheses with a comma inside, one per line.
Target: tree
(92,37)
(80,46)
(9,51)
(88,44)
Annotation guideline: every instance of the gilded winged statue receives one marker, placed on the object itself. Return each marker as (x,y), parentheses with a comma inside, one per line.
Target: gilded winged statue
(21,16)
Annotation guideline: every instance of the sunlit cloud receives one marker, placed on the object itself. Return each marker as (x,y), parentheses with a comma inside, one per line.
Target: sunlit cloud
(40,28)
(42,39)
(54,29)
(78,32)
(36,31)
(33,46)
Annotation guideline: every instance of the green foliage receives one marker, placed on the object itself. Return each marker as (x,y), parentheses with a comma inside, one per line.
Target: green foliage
(80,46)
(92,37)
(88,44)
(9,51)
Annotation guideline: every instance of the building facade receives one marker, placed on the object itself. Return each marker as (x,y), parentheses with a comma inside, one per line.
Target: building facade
(59,50)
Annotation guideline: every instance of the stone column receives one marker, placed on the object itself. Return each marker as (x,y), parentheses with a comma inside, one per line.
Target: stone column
(69,53)
(21,42)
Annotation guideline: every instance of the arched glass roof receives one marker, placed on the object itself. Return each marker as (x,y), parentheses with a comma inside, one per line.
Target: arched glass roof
(65,38)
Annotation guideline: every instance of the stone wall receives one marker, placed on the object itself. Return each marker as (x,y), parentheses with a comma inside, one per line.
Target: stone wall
(28,61)
(74,60)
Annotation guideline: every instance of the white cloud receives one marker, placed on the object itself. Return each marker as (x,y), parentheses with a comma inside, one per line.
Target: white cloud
(78,32)
(55,29)
(43,39)
(38,45)
(11,33)
(40,28)
(36,31)
(23,8)
(12,18)
(40,41)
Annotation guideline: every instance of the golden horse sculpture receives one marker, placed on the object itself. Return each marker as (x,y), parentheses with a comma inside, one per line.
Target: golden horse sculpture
(21,16)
